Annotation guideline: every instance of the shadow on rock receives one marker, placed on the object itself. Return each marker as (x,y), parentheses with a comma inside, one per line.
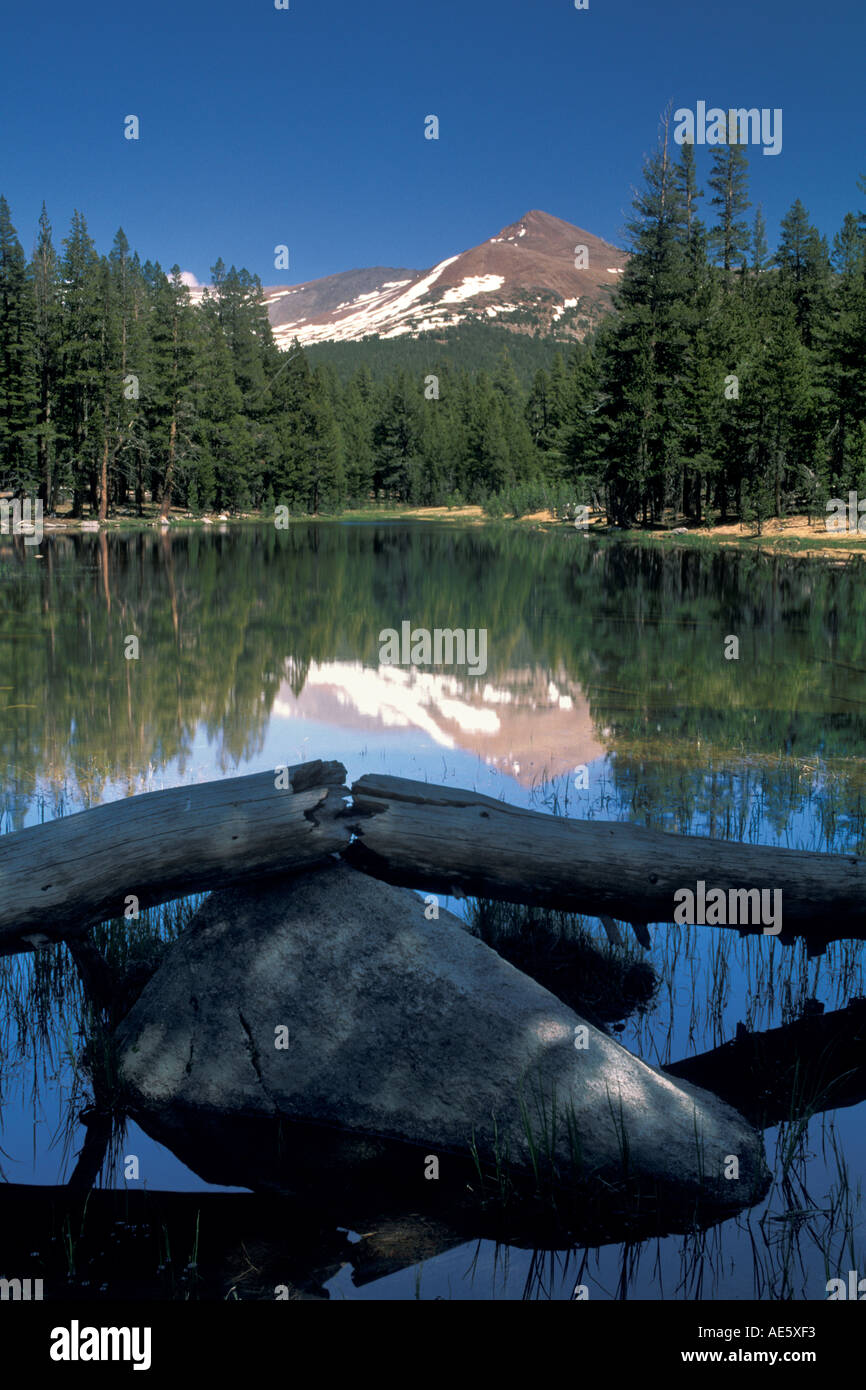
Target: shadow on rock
(322,1037)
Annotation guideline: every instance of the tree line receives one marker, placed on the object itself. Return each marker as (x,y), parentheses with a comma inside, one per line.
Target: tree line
(729,381)
(726,382)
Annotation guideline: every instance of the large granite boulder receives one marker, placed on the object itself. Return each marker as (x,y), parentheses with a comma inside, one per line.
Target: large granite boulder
(404,1035)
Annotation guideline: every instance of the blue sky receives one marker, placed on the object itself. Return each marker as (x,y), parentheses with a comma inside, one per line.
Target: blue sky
(305,126)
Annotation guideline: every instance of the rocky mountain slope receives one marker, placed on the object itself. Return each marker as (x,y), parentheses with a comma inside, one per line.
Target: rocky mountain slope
(541,274)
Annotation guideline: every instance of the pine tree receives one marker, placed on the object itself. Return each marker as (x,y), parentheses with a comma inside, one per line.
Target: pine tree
(126,430)
(80,395)
(729,181)
(109,357)
(356,425)
(509,453)
(701,385)
(438,478)
(736,338)
(804,269)
(758,242)
(642,353)
(291,396)
(842,355)
(686,182)
(170,384)
(18,383)
(540,416)
(47,328)
(779,406)
(397,438)
(579,444)
(325,452)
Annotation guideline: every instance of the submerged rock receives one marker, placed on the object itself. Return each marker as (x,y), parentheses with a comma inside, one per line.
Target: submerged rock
(329,1011)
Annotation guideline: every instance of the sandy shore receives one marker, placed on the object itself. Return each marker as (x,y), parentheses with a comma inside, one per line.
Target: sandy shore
(794,533)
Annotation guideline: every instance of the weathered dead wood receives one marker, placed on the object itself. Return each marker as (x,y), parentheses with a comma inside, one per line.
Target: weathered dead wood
(451,841)
(816,1063)
(57,879)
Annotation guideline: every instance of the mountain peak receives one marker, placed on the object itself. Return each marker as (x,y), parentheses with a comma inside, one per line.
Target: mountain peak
(534,221)
(528,279)
(538,215)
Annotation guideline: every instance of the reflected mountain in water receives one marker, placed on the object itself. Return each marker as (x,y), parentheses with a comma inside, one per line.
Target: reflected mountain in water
(229,624)
(525,723)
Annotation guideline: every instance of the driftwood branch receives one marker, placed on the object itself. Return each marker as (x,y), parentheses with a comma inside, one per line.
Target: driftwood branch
(57,879)
(451,841)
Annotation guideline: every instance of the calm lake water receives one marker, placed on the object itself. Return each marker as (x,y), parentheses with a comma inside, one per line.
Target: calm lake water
(260,648)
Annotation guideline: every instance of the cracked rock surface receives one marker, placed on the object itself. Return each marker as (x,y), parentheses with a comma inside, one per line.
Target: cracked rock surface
(400,1031)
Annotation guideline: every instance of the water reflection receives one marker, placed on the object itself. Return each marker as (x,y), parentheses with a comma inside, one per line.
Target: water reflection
(254,643)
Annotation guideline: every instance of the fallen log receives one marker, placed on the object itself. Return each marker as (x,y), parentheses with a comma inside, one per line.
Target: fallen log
(816,1063)
(446,840)
(58,879)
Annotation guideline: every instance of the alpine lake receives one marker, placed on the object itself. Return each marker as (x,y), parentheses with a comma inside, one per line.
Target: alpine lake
(607,694)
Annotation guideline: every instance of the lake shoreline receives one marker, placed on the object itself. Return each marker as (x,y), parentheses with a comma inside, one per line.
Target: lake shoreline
(788,535)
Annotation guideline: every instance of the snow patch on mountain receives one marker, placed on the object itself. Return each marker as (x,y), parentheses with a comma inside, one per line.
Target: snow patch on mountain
(560,310)
(471,286)
(371,312)
(528,270)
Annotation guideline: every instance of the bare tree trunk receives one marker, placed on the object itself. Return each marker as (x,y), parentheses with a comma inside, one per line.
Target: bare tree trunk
(165,502)
(103,480)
